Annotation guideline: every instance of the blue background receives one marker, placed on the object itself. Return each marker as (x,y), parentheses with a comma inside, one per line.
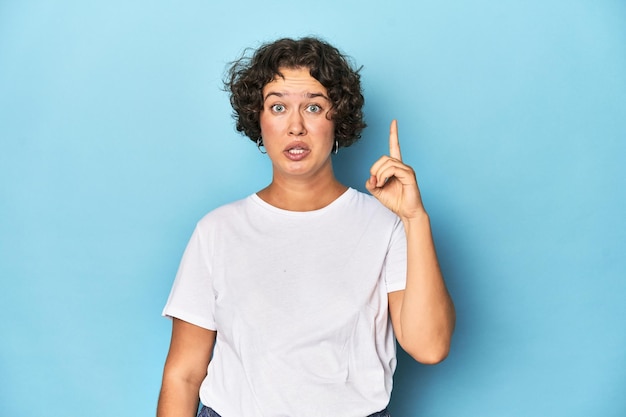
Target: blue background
(116,138)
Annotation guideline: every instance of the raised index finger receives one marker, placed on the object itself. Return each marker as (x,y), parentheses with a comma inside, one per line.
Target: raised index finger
(394,142)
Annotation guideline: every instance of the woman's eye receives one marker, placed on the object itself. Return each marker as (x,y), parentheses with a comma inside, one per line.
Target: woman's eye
(278,108)
(314,108)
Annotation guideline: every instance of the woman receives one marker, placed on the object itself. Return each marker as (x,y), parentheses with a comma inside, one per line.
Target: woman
(294,294)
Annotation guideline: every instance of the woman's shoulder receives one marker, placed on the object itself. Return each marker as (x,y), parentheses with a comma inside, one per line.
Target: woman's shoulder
(369,205)
(367,200)
(225,212)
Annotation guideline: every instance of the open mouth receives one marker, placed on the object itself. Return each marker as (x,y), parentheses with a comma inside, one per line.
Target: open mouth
(296,152)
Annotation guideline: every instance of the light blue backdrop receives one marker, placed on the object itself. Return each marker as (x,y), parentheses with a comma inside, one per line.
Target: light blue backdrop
(116,138)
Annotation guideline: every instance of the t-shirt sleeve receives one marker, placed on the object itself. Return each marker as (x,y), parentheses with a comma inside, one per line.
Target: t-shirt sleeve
(192,297)
(395,262)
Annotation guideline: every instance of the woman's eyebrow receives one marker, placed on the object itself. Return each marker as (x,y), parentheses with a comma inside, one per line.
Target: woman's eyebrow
(307,95)
(273,93)
(315,95)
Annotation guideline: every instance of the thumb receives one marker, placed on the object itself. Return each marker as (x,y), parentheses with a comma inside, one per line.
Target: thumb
(370,184)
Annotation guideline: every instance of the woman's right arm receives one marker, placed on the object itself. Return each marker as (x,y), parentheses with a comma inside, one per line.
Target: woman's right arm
(185,368)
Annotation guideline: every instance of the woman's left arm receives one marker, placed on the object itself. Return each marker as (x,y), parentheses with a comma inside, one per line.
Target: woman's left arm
(422,314)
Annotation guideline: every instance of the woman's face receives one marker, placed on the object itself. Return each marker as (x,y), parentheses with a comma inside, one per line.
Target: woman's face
(295,125)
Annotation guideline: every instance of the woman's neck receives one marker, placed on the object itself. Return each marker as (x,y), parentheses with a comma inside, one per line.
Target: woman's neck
(302,195)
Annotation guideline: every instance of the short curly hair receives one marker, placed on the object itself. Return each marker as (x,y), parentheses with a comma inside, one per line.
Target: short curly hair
(247,76)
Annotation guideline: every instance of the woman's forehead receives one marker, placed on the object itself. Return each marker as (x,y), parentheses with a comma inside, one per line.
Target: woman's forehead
(294,81)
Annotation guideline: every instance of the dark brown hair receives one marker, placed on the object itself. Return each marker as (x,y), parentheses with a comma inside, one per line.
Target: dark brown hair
(247,76)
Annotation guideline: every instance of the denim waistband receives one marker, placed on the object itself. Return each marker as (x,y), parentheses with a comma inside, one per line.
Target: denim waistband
(208,412)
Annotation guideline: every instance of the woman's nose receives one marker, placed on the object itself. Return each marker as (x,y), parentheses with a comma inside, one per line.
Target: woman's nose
(296,125)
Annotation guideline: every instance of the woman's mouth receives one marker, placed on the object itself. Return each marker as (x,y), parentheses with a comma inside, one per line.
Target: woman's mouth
(296,153)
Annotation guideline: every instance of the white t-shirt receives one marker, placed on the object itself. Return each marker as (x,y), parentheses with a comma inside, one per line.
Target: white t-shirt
(299,303)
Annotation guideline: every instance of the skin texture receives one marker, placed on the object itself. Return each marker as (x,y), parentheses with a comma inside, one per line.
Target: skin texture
(185,368)
(295,115)
(423,314)
(298,137)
